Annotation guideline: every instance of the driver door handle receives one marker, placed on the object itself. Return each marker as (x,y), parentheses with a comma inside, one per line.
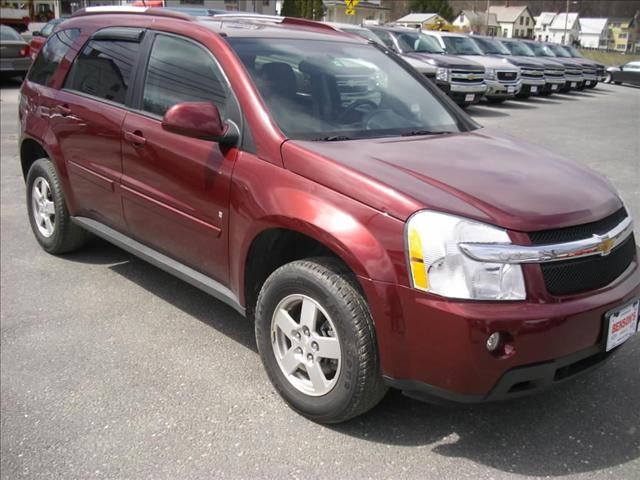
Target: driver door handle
(135,138)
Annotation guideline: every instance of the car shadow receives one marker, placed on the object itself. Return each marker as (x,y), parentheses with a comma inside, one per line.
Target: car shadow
(10,83)
(570,429)
(514,104)
(481,111)
(585,425)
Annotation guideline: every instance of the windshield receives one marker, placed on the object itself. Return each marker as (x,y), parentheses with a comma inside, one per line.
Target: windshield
(518,48)
(8,34)
(417,42)
(574,52)
(541,50)
(321,90)
(491,47)
(559,51)
(461,46)
(364,33)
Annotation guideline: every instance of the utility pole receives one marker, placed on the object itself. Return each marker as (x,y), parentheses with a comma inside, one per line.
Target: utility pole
(486,31)
(566,19)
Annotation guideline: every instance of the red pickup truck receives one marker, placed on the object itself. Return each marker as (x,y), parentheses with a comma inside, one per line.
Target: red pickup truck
(319,185)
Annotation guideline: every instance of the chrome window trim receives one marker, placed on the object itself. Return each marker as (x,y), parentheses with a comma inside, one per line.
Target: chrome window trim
(516,254)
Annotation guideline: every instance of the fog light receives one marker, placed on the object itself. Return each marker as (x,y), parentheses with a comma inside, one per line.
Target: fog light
(493,342)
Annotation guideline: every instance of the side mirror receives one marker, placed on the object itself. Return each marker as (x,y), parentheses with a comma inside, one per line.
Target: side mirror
(200,120)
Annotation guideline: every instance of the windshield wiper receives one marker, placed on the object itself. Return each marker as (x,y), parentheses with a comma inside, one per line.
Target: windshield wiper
(332,138)
(414,133)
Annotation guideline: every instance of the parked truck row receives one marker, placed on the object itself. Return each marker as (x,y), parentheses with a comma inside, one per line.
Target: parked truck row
(470,67)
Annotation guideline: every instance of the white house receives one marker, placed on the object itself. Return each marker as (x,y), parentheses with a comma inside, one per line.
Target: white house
(543,22)
(515,22)
(421,20)
(594,32)
(478,22)
(554,30)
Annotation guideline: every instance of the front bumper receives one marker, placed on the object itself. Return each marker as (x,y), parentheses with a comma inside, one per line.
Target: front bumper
(434,347)
(460,93)
(15,65)
(496,89)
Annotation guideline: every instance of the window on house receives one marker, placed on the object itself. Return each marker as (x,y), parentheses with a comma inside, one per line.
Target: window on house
(527,21)
(521,20)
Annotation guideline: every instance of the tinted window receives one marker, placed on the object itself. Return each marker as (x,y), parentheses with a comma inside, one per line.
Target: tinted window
(51,55)
(181,71)
(48,28)
(103,69)
(461,46)
(418,42)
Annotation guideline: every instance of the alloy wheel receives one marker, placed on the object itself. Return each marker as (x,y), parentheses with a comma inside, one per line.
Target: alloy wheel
(42,206)
(306,345)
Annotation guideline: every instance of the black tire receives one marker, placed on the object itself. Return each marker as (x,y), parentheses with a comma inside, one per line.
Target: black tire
(66,236)
(359,385)
(618,83)
(495,100)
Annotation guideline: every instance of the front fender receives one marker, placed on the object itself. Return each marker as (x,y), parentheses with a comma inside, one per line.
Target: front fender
(265,196)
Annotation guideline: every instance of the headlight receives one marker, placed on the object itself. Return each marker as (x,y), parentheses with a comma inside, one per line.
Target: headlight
(437,264)
(442,74)
(490,74)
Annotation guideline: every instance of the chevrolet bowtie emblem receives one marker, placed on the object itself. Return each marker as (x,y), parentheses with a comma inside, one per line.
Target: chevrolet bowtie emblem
(606,246)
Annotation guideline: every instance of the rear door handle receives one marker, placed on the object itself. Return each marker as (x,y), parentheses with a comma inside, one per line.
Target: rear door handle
(135,138)
(63,110)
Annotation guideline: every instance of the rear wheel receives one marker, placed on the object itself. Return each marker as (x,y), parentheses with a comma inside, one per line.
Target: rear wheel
(495,100)
(48,214)
(317,341)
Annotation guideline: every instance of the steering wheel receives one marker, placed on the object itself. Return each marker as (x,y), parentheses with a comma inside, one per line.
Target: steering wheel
(358,104)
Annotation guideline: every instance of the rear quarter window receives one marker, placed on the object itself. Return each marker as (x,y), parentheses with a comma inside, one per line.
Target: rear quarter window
(103,69)
(47,62)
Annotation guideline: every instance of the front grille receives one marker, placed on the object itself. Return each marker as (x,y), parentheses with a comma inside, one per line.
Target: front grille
(554,73)
(572,71)
(588,273)
(467,77)
(530,73)
(507,76)
(588,71)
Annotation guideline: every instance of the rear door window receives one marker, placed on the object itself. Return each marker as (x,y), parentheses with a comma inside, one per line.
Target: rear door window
(104,68)
(182,71)
(47,62)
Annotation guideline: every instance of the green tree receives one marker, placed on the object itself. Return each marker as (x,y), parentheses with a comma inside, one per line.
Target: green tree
(290,8)
(311,9)
(441,7)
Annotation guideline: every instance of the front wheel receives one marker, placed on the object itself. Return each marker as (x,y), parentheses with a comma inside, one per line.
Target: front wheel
(317,341)
(607,78)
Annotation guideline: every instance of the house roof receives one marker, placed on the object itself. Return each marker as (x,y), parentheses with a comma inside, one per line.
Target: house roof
(593,26)
(561,20)
(480,17)
(417,18)
(507,14)
(545,18)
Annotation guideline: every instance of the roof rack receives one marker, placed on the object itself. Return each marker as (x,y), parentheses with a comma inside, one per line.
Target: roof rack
(104,10)
(303,22)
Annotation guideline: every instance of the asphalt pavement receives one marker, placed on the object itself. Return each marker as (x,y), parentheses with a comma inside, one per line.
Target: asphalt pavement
(110,368)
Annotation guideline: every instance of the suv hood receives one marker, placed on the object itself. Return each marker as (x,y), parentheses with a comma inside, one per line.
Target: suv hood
(481,174)
(491,62)
(450,61)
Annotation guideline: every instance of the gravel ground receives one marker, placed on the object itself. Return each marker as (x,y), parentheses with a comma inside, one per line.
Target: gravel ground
(110,368)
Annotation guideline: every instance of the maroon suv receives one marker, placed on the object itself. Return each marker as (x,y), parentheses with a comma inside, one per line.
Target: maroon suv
(317,184)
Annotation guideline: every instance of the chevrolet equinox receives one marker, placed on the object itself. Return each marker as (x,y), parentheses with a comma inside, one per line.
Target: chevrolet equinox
(319,185)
